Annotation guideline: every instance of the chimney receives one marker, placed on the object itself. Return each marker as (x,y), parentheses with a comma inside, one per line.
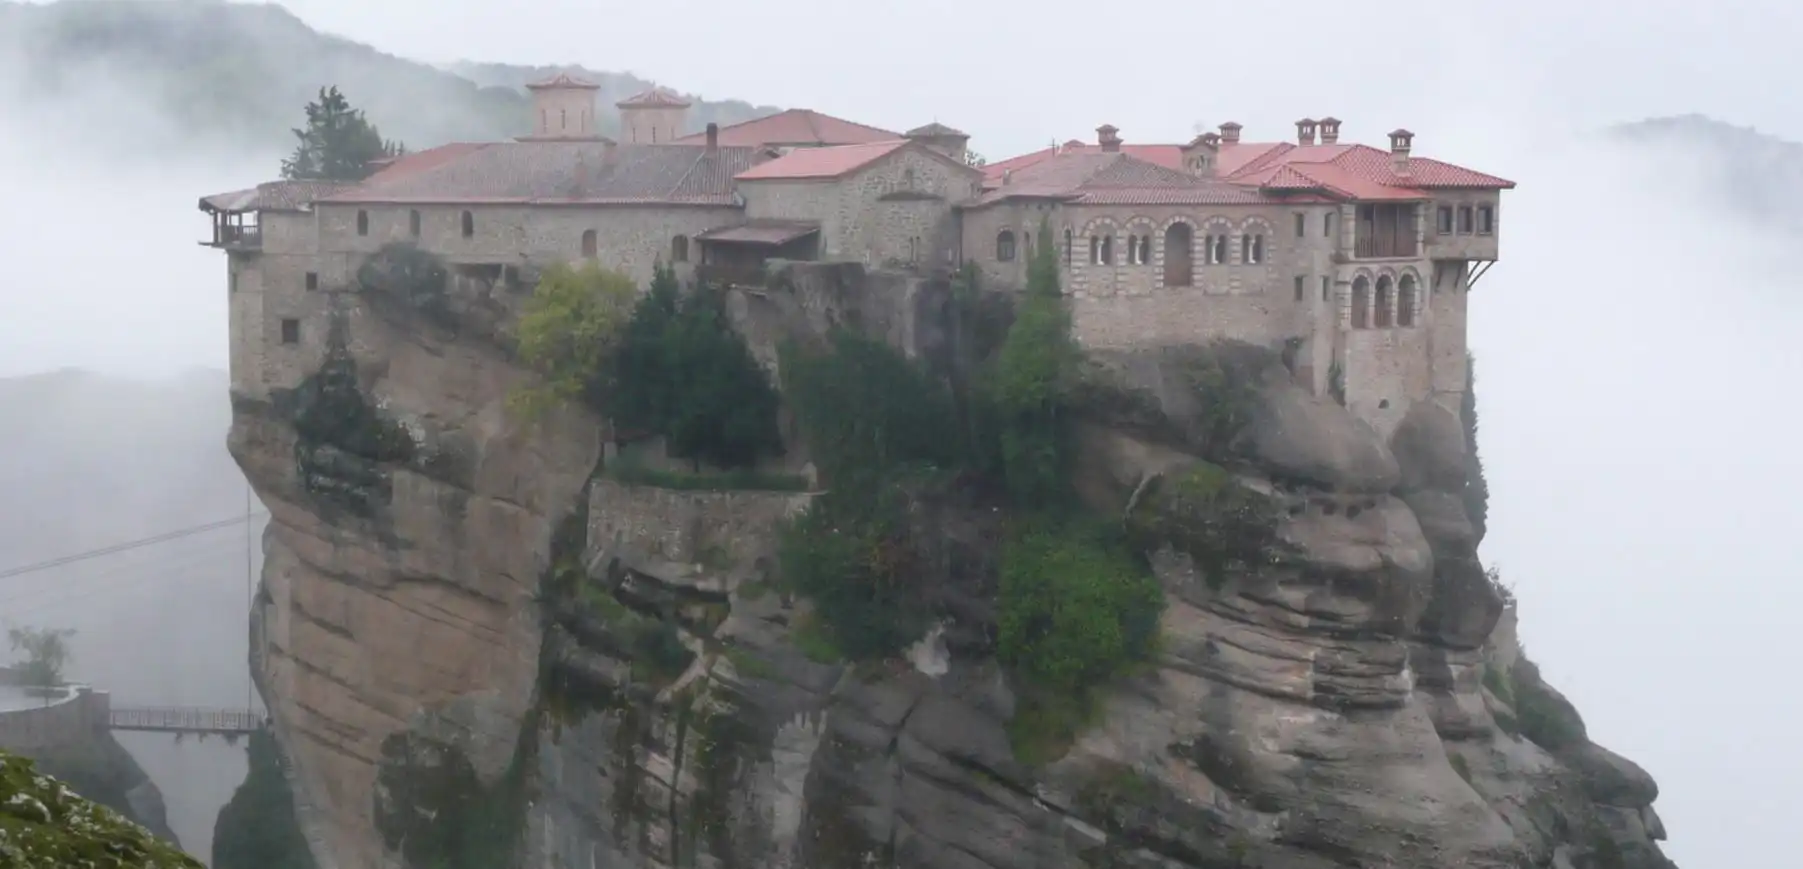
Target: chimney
(1330,130)
(1108,136)
(1401,141)
(1230,133)
(1007,176)
(713,137)
(1199,155)
(1305,132)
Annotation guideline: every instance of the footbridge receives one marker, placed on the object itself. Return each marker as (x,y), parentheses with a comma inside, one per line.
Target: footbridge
(186,719)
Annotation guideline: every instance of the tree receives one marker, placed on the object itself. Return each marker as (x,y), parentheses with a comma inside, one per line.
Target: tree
(639,396)
(724,408)
(1034,370)
(338,143)
(975,160)
(46,652)
(567,332)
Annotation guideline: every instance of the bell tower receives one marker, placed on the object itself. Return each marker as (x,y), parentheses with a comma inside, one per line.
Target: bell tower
(655,117)
(563,107)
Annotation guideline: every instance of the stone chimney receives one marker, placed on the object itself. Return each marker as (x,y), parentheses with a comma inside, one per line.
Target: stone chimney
(1230,133)
(1200,154)
(1401,141)
(563,108)
(1305,132)
(1108,136)
(1330,130)
(713,137)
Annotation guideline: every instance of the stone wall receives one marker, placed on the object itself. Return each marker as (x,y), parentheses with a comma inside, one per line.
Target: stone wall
(898,209)
(79,717)
(646,523)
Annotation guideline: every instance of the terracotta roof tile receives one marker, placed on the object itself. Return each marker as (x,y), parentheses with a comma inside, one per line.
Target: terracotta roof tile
(563,80)
(935,129)
(830,162)
(274,196)
(774,232)
(1094,177)
(656,97)
(563,172)
(796,127)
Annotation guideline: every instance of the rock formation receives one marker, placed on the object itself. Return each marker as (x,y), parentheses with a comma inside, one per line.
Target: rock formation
(479,652)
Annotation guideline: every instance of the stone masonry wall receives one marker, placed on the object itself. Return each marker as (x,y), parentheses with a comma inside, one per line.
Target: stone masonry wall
(686,527)
(898,209)
(74,720)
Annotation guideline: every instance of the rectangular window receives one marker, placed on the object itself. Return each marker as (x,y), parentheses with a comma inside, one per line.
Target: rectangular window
(312,280)
(1443,220)
(1301,283)
(1486,220)
(1326,287)
(1301,224)
(1327,224)
(290,331)
(1464,220)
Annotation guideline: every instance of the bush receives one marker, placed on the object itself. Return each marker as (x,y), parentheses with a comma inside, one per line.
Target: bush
(866,410)
(684,372)
(568,331)
(852,554)
(1077,609)
(1029,388)
(1477,490)
(1205,513)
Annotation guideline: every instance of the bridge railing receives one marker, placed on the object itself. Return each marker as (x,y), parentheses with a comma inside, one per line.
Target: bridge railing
(185,719)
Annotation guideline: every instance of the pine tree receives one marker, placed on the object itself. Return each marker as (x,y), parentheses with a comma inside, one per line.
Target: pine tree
(640,381)
(724,407)
(338,143)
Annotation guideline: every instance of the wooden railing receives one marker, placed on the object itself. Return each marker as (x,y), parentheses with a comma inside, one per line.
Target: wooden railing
(230,235)
(1381,247)
(185,719)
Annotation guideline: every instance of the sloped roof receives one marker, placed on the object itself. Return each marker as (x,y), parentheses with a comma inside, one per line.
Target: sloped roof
(273,196)
(559,173)
(935,129)
(796,127)
(1097,177)
(770,232)
(562,80)
(830,162)
(656,97)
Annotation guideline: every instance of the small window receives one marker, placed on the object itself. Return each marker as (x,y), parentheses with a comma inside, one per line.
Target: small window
(1145,249)
(1252,249)
(413,223)
(1326,287)
(469,225)
(563,118)
(290,331)
(679,249)
(590,244)
(1070,248)
(1301,224)
(1101,250)
(362,223)
(1215,249)
(1464,220)
(312,280)
(1004,246)
(1327,224)
(1301,287)
(1486,220)
(1443,220)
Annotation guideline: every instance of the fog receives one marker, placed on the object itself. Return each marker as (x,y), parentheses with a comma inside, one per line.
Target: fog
(1635,348)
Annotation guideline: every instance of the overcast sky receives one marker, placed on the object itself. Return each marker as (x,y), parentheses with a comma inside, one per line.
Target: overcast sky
(1637,353)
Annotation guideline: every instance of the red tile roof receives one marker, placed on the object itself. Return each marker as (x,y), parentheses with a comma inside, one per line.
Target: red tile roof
(656,97)
(273,196)
(935,129)
(796,127)
(558,173)
(772,232)
(563,80)
(833,162)
(1341,171)
(1094,177)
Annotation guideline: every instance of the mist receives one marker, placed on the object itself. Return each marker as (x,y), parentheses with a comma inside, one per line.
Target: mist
(1633,346)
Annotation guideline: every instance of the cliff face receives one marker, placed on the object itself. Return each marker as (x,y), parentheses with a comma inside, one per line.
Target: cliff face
(476,650)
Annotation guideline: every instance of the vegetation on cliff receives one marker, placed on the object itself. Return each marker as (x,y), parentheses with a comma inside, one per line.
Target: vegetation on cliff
(257,829)
(567,332)
(338,143)
(44,823)
(1477,490)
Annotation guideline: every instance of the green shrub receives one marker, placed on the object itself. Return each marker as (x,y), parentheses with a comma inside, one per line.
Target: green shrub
(1077,609)
(866,410)
(852,554)
(568,331)
(1030,386)
(256,829)
(1204,512)
(1477,490)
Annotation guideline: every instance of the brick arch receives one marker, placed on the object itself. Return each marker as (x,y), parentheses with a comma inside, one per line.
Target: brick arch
(1264,249)
(1221,230)
(1383,300)
(1176,249)
(1409,293)
(1107,229)
(1140,231)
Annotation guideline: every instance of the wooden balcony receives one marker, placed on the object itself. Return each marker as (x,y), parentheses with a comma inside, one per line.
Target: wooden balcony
(232,236)
(1385,247)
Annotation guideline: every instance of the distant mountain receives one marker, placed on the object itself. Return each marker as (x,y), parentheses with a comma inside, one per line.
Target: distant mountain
(238,75)
(1756,174)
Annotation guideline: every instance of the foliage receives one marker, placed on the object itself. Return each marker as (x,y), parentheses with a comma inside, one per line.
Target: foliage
(338,143)
(257,829)
(638,474)
(44,823)
(865,410)
(1030,386)
(1077,609)
(974,159)
(434,810)
(852,554)
(567,332)
(652,645)
(1477,490)
(1204,512)
(46,652)
(683,371)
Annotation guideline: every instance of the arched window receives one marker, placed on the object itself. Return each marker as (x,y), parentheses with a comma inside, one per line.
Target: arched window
(1252,248)
(1004,246)
(1132,249)
(469,225)
(1406,294)
(1177,262)
(1145,249)
(413,223)
(679,249)
(1361,303)
(362,223)
(591,244)
(1384,305)
(1101,250)
(1214,249)
(907,181)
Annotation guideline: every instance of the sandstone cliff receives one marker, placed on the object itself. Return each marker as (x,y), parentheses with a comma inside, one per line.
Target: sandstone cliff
(479,652)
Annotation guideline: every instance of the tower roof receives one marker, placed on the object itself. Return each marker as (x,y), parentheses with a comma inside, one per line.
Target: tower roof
(656,97)
(935,129)
(562,80)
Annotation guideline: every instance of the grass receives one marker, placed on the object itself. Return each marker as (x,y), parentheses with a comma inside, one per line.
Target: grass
(636,474)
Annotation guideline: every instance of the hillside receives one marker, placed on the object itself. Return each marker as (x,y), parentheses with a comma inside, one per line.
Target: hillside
(237,75)
(1756,174)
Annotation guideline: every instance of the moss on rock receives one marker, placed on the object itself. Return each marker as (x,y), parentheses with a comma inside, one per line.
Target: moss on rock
(1204,512)
(45,824)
